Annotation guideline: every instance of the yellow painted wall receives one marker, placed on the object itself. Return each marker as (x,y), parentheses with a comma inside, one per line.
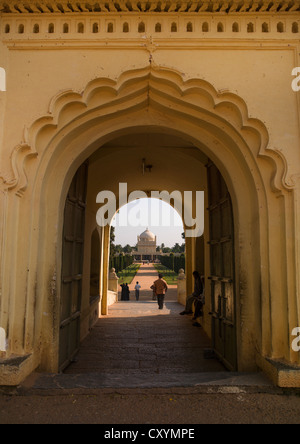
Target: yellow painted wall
(225,95)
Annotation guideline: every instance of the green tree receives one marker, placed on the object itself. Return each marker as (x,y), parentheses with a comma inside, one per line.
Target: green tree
(176,248)
(112,245)
(127,249)
(172,257)
(121,262)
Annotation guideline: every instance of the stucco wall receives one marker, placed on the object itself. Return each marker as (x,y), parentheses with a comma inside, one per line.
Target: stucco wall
(247,83)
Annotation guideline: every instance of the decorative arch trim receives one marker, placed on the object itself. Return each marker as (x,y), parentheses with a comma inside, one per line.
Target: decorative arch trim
(147,88)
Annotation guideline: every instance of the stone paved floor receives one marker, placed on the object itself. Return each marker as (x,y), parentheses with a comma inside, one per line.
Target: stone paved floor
(138,339)
(141,365)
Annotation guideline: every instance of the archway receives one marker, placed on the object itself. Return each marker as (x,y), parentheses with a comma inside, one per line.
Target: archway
(158,101)
(219,232)
(187,170)
(149,235)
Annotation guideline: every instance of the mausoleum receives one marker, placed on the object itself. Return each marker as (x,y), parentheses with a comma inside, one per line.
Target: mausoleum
(146,247)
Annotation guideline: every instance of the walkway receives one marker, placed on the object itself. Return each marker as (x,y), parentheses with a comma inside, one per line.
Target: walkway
(137,339)
(146,275)
(139,346)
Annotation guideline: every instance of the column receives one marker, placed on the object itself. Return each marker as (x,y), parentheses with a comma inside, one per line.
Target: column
(106,243)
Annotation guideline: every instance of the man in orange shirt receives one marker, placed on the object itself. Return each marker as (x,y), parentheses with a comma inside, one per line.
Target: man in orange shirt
(160,288)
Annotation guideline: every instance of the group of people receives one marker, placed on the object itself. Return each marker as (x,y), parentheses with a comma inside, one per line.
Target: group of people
(160,289)
(125,293)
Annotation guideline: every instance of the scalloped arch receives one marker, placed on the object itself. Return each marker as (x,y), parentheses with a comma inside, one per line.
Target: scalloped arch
(147,88)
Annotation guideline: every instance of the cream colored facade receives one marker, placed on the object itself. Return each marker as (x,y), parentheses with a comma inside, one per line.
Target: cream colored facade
(178,83)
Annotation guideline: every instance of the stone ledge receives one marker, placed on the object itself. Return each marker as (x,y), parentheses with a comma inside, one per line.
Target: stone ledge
(209,382)
(15,369)
(282,374)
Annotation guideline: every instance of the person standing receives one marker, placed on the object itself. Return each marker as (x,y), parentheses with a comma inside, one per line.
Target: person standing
(160,288)
(137,291)
(123,293)
(127,292)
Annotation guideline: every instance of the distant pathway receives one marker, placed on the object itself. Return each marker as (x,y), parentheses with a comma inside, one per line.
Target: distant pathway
(146,275)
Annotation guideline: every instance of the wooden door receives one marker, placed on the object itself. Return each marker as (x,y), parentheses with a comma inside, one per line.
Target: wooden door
(72,267)
(222,269)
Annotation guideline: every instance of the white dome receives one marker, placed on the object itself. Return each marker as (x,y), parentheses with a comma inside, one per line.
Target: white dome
(147,235)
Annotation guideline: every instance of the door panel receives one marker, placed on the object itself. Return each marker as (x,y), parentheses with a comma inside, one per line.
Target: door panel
(72,267)
(222,269)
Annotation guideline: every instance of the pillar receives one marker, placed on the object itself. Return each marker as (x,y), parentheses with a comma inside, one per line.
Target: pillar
(190,263)
(106,243)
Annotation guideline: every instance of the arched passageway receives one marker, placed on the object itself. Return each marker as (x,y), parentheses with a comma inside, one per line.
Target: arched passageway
(182,126)
(178,167)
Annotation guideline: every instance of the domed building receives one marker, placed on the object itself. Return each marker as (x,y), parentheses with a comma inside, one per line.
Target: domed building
(146,246)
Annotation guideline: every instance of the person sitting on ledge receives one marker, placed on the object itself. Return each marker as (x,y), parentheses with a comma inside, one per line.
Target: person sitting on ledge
(196,296)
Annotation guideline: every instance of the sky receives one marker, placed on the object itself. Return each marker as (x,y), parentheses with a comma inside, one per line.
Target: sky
(154,214)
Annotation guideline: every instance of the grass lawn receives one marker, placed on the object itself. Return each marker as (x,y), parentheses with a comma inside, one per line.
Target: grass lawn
(169,275)
(127,275)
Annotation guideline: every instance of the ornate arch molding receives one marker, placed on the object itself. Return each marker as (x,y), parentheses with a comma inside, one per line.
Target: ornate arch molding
(151,87)
(110,6)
